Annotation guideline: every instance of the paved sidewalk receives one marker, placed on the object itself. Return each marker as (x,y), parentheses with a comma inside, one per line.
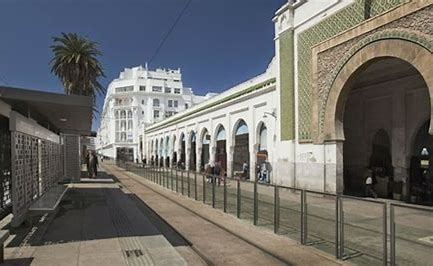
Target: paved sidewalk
(99,223)
(221,238)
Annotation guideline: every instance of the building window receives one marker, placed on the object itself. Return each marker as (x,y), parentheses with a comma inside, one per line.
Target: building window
(167,90)
(142,112)
(117,114)
(156,88)
(142,101)
(177,91)
(186,106)
(129,114)
(175,103)
(156,102)
(170,103)
(123,126)
(123,136)
(142,88)
(130,125)
(123,114)
(155,114)
(125,89)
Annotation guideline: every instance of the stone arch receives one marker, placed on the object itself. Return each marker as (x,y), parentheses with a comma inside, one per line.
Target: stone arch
(416,55)
(261,125)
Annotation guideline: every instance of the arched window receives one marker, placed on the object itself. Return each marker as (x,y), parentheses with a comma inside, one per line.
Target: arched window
(129,114)
(156,102)
(123,125)
(221,135)
(123,136)
(130,125)
(242,128)
(123,114)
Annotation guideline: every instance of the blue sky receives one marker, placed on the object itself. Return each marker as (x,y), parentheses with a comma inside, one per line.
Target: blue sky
(217,43)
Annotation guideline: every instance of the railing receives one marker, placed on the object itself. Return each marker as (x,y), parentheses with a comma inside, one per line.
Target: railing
(359,229)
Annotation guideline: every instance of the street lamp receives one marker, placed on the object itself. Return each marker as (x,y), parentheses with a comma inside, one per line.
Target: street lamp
(273,114)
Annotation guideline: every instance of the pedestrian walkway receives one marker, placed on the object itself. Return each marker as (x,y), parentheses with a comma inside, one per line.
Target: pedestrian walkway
(219,237)
(99,223)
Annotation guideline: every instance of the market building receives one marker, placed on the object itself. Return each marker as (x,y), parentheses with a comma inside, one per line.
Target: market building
(349,89)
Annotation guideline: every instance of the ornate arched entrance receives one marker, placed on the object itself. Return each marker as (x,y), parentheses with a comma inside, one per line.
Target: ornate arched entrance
(388,85)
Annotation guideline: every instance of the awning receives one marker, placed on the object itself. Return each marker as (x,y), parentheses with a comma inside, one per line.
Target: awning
(69,114)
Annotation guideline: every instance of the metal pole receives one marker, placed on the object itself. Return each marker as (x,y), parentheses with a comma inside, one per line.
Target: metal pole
(189,185)
(181,180)
(177,183)
(303,210)
(276,209)
(204,189)
(392,233)
(171,177)
(385,236)
(213,191)
(238,200)
(337,220)
(195,185)
(225,194)
(341,255)
(256,203)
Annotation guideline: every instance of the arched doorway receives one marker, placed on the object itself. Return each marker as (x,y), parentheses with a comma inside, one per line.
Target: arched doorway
(221,151)
(161,152)
(156,152)
(420,185)
(167,151)
(262,143)
(182,151)
(174,149)
(193,155)
(241,153)
(387,95)
(205,155)
(387,84)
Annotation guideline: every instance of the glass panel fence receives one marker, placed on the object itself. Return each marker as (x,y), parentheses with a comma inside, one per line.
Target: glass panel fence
(320,220)
(363,234)
(265,205)
(413,235)
(290,213)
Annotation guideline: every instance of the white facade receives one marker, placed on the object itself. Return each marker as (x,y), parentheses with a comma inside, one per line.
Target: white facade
(137,99)
(254,102)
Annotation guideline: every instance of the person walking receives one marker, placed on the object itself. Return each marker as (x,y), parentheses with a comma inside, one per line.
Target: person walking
(245,170)
(217,172)
(369,186)
(93,164)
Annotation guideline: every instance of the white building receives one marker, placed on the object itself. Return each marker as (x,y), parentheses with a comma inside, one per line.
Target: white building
(135,100)
(350,88)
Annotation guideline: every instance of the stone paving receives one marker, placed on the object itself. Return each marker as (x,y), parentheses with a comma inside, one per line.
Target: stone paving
(220,237)
(98,223)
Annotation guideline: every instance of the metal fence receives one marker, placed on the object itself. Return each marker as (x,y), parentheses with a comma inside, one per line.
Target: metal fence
(361,230)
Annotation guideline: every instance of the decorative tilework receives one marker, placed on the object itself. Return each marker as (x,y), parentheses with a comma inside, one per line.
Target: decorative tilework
(287,102)
(401,34)
(342,20)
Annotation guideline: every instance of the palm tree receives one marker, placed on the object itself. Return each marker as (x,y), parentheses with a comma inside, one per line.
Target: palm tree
(75,63)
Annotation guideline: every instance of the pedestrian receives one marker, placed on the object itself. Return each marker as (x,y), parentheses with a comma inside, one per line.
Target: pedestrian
(245,170)
(93,164)
(263,172)
(217,171)
(208,172)
(369,186)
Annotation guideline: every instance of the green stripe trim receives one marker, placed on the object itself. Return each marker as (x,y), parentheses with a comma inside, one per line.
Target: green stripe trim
(287,85)
(238,94)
